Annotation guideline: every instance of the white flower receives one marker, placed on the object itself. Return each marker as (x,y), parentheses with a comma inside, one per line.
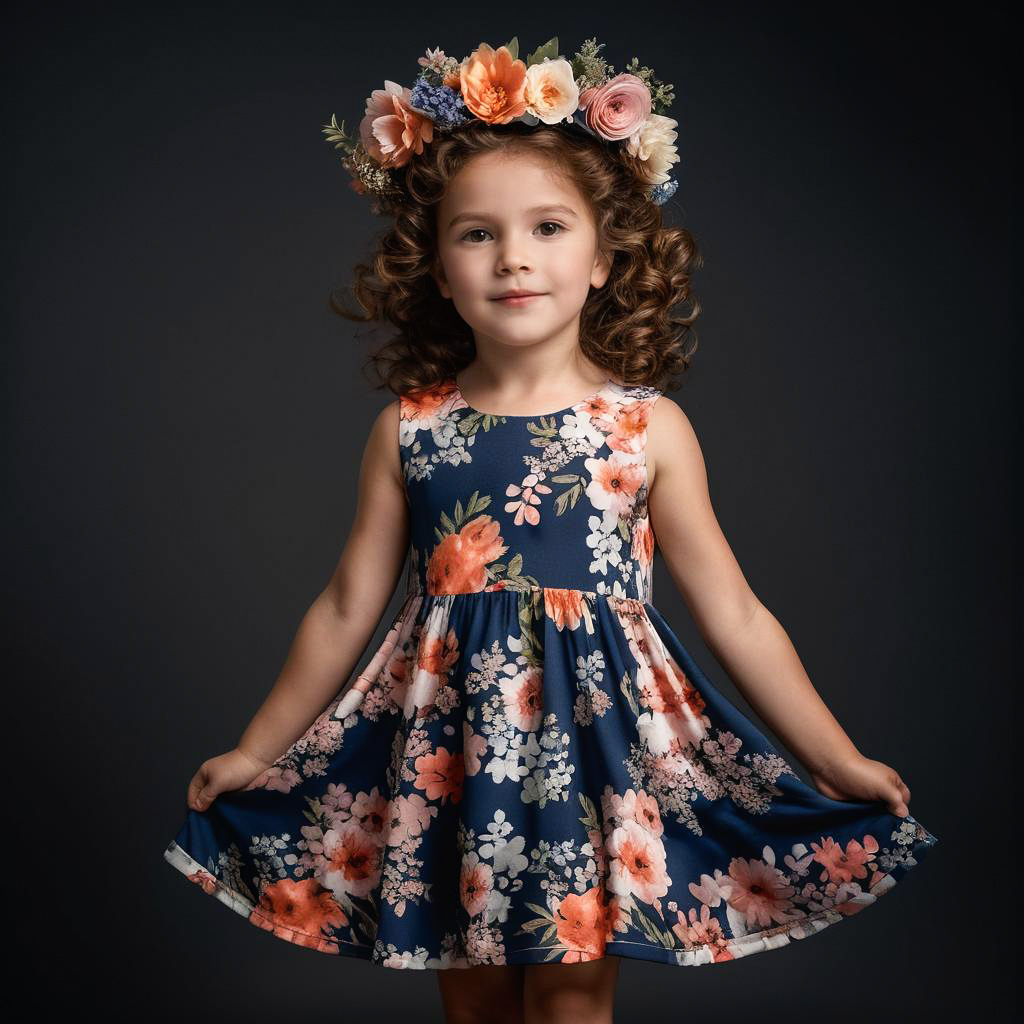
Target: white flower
(551,92)
(654,144)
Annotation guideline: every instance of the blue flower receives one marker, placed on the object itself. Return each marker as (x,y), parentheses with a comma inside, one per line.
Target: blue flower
(442,104)
(662,193)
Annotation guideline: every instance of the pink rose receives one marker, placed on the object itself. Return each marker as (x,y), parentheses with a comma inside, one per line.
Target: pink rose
(392,131)
(616,109)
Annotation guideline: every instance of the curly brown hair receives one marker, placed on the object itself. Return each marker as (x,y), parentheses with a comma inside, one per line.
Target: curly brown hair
(626,326)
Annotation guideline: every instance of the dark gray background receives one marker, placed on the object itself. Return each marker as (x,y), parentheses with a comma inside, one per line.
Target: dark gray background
(186,418)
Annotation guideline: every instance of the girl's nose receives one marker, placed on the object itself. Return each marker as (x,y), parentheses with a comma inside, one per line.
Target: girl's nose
(513,261)
(513,255)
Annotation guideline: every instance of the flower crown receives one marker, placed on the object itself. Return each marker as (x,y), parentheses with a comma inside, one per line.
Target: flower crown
(495,87)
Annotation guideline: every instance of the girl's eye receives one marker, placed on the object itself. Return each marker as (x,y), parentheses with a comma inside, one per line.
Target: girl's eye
(553,223)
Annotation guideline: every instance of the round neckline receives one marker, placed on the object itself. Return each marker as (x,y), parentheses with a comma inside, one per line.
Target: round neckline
(533,415)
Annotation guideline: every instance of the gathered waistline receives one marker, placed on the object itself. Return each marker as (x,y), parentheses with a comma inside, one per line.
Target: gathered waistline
(529,592)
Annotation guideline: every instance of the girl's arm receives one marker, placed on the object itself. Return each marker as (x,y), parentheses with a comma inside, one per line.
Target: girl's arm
(744,636)
(343,618)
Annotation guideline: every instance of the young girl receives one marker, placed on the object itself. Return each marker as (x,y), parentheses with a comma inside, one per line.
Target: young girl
(532,778)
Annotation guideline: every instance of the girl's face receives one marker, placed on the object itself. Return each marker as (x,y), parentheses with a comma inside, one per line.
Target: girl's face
(508,222)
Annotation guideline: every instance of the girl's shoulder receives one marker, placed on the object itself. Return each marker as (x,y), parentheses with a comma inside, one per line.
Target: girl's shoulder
(671,437)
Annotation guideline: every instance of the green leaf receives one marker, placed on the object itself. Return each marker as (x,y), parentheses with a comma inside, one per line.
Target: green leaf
(549,50)
(513,47)
(546,429)
(589,819)
(532,926)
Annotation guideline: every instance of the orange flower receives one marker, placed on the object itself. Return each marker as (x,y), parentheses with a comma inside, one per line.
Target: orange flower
(493,84)
(581,923)
(643,542)
(458,564)
(425,404)
(299,911)
(391,131)
(566,608)
(438,653)
(629,429)
(440,775)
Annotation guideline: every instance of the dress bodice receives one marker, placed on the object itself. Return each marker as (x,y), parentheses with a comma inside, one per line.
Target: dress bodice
(521,502)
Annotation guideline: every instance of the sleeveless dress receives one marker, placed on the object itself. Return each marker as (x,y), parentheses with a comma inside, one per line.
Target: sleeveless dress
(531,767)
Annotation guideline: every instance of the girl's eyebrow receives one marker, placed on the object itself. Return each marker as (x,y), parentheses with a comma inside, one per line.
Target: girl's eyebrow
(550,207)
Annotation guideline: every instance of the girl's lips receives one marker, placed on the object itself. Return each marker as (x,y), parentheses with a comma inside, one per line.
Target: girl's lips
(517,300)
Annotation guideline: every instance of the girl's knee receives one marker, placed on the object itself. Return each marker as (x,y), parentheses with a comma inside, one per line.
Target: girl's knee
(556,993)
(475,995)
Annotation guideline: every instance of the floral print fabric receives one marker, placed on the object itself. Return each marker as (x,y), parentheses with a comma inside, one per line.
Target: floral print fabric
(532,767)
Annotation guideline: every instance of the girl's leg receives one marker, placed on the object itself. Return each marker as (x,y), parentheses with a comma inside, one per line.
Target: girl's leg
(558,993)
(488,994)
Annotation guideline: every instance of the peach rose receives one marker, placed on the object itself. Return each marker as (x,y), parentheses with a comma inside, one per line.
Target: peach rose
(392,131)
(551,90)
(654,144)
(618,108)
(493,84)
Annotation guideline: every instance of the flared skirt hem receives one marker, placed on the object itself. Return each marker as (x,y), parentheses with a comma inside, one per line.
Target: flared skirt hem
(420,959)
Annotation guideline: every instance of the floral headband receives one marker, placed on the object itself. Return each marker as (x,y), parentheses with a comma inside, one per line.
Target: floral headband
(495,87)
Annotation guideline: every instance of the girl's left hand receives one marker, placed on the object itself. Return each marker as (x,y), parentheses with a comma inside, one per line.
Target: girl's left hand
(859,778)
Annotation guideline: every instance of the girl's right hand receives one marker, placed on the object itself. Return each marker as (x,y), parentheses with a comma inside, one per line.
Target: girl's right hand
(225,773)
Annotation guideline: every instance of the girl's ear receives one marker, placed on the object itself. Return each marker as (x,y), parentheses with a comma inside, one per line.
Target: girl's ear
(437,273)
(602,269)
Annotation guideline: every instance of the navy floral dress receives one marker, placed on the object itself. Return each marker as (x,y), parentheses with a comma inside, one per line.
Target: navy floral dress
(532,767)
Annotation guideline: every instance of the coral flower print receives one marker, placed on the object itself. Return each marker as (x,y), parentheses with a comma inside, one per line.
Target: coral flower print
(567,608)
(638,863)
(494,84)
(699,929)
(523,697)
(582,925)
(302,908)
(476,884)
(642,549)
(440,775)
(353,860)
(628,434)
(644,810)
(844,865)
(459,563)
(205,879)
(614,484)
(759,891)
(531,767)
